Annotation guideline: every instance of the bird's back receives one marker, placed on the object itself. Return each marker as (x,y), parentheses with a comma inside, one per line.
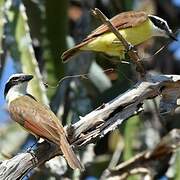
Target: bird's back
(36,118)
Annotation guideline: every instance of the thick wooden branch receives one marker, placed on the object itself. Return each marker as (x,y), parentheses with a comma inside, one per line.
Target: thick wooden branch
(100,121)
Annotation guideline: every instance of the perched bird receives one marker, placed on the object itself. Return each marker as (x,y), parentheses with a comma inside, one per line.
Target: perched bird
(135,26)
(35,117)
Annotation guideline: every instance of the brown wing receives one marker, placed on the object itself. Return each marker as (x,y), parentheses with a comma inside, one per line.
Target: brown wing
(36,118)
(121,21)
(41,121)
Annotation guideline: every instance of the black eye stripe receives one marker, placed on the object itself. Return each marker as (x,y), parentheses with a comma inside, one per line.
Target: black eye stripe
(14,78)
(11,83)
(7,87)
(158,22)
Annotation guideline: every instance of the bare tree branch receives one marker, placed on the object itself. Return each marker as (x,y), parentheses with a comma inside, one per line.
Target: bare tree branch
(99,122)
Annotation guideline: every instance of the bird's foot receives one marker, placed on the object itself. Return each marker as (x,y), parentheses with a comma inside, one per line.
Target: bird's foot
(31,147)
(130,47)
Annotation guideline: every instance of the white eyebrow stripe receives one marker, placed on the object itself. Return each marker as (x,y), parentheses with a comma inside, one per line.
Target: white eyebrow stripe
(15,75)
(160,19)
(156,17)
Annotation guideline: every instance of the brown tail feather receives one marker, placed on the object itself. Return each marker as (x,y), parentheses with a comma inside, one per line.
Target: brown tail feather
(71,52)
(69,154)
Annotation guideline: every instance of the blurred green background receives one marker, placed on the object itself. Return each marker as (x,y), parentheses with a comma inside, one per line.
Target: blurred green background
(33,35)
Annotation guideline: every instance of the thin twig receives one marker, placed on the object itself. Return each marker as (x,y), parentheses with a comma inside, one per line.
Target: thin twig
(149,161)
(116,155)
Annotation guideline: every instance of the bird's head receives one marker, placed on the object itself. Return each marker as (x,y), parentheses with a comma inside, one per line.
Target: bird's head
(161,27)
(16,85)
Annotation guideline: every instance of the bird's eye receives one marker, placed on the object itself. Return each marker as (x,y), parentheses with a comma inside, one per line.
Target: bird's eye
(162,23)
(15,78)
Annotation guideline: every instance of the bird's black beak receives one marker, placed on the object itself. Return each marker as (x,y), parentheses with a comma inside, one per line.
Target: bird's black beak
(26,78)
(170,33)
(172,36)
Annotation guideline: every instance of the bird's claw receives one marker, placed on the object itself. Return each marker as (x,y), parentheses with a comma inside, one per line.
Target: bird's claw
(130,47)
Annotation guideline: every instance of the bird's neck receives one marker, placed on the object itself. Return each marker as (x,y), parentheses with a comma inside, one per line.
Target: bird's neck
(15,92)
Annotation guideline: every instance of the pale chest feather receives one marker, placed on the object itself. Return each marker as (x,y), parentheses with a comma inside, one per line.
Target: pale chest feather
(16,92)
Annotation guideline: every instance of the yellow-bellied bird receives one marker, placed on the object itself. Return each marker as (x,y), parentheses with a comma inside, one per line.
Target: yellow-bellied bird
(135,26)
(35,117)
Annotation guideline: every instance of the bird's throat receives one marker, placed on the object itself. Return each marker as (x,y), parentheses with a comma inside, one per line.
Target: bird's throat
(15,92)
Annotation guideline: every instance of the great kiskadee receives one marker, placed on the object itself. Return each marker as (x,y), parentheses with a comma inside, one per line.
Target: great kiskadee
(35,117)
(135,26)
